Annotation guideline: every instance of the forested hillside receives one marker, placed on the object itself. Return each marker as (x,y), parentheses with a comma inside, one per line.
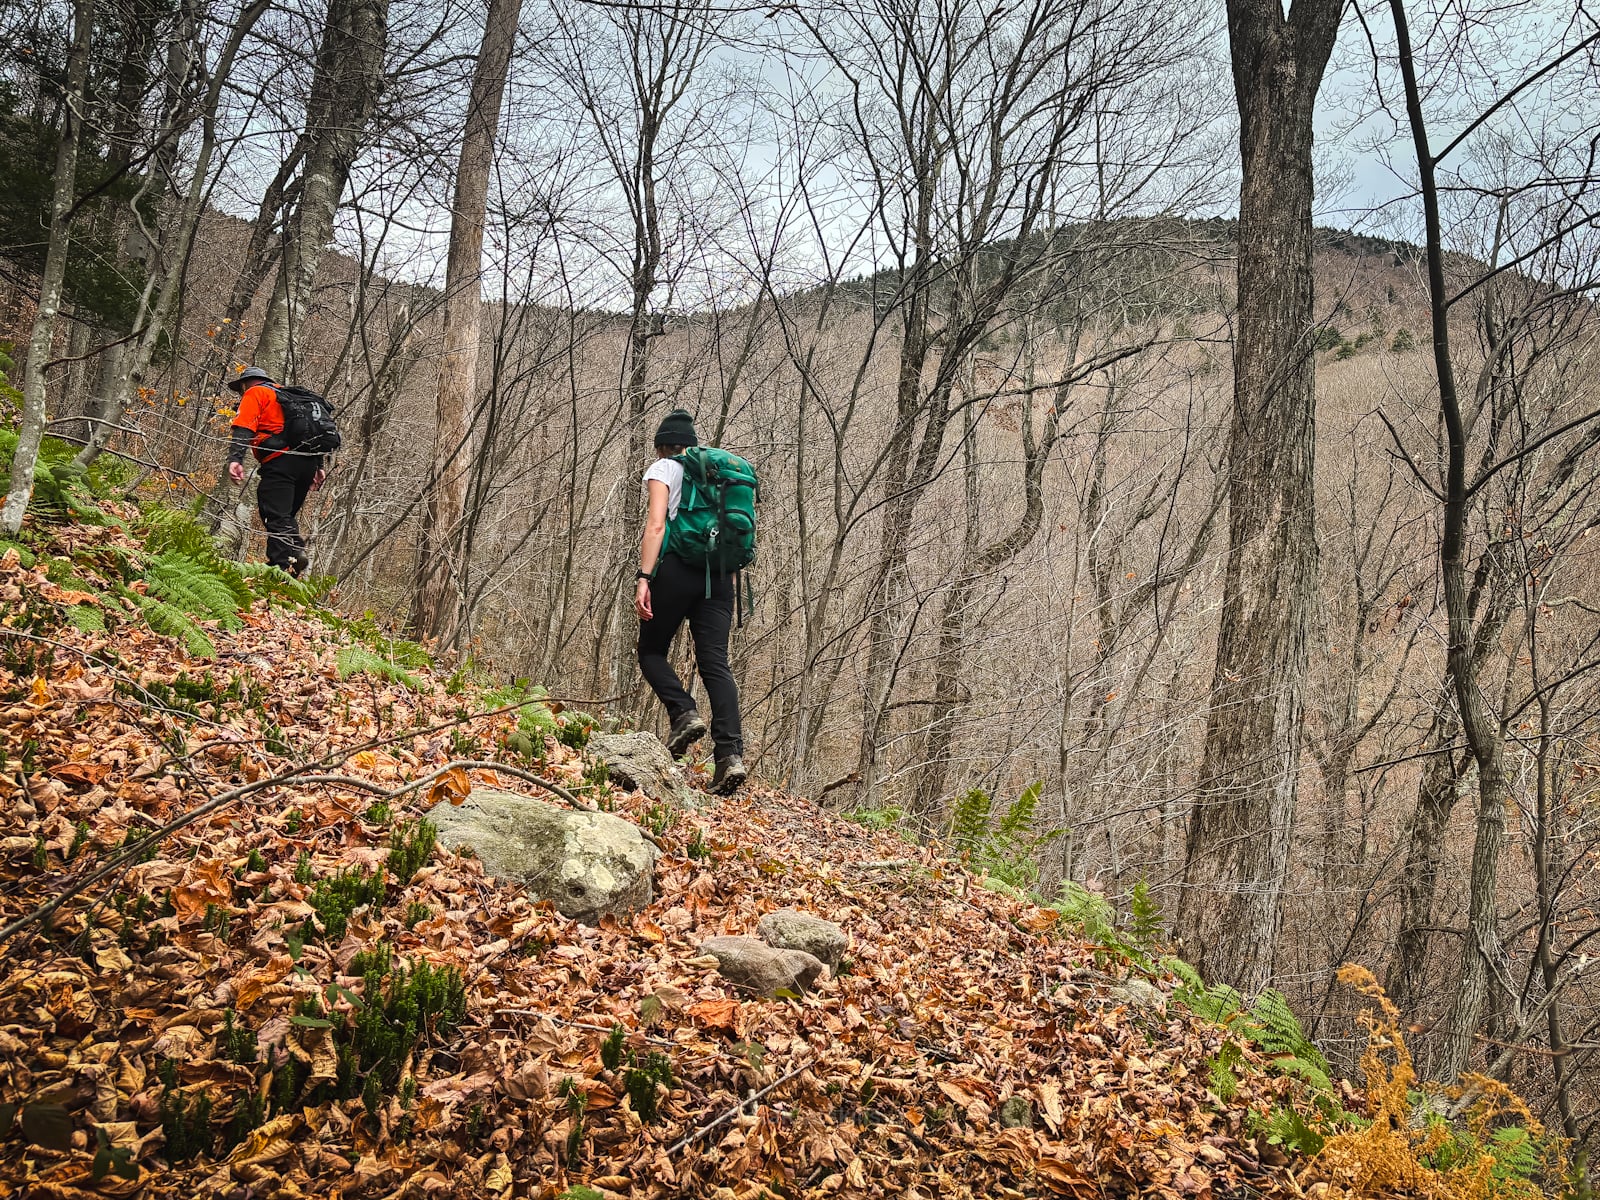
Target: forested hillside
(1133,467)
(244,959)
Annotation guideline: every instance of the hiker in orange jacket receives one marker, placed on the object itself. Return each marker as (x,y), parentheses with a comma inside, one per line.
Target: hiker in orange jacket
(286,475)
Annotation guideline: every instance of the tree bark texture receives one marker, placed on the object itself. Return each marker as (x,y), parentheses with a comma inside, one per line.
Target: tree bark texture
(344,95)
(439,589)
(31,430)
(1239,831)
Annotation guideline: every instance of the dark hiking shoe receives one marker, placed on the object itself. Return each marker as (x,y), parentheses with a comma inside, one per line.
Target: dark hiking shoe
(729,776)
(299,560)
(685,732)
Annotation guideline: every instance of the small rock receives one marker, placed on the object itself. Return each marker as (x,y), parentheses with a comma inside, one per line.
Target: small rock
(791,929)
(1016,1113)
(589,863)
(1139,993)
(640,761)
(750,963)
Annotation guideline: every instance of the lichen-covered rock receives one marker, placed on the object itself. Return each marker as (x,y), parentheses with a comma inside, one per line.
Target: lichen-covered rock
(750,963)
(1139,993)
(640,761)
(791,929)
(1016,1113)
(588,863)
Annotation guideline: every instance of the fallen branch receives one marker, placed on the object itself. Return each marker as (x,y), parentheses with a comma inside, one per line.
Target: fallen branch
(476,765)
(690,1139)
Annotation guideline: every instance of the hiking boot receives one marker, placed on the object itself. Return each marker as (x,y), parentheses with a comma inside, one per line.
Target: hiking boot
(685,732)
(299,560)
(729,775)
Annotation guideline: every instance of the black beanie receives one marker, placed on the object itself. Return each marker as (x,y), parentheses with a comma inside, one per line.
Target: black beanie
(677,429)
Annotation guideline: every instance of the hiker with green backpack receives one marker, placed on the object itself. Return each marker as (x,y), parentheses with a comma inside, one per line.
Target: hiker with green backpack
(699,535)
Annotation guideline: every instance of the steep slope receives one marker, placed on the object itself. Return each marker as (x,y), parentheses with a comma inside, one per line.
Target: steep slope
(237,966)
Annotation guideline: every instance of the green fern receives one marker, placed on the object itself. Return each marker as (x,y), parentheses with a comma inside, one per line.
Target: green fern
(1090,912)
(358,660)
(1287,1127)
(1515,1153)
(197,587)
(969,821)
(1276,1030)
(86,618)
(1220,1004)
(1223,1069)
(1268,1024)
(62,490)
(1147,929)
(1017,824)
(173,622)
(270,583)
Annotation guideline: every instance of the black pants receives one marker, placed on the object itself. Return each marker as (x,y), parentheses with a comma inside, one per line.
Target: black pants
(281,491)
(677,592)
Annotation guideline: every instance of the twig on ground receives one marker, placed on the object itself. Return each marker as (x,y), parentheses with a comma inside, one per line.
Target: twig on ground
(691,1138)
(478,765)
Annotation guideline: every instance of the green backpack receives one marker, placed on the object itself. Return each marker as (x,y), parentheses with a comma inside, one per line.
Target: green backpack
(716,523)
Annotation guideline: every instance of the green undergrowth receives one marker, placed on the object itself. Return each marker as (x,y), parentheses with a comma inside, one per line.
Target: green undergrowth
(374,651)
(172,579)
(538,720)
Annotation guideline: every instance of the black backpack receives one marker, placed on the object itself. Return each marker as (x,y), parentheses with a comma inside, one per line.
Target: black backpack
(308,421)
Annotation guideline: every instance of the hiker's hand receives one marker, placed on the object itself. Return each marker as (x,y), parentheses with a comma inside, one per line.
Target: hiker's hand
(236,472)
(316,480)
(641,600)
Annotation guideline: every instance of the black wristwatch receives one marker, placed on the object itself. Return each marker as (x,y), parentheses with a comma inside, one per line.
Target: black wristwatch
(644,575)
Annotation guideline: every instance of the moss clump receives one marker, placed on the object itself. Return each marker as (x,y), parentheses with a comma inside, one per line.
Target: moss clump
(337,896)
(411,844)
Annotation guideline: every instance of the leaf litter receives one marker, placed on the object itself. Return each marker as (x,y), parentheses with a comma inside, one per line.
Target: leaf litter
(183,1027)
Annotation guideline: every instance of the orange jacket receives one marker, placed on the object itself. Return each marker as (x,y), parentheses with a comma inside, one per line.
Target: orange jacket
(259,417)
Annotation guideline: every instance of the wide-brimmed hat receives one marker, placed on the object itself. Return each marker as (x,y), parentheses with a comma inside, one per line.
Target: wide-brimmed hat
(248,376)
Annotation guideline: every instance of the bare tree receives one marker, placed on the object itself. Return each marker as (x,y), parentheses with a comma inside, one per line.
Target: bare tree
(344,95)
(438,601)
(1240,827)
(31,431)
(1497,397)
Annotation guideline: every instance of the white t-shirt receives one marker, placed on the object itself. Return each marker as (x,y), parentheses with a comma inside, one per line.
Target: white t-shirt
(670,472)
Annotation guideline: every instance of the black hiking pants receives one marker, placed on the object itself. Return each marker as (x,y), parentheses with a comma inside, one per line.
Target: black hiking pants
(678,592)
(282,489)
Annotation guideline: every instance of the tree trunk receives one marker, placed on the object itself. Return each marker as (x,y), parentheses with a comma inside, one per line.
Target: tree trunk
(167,248)
(439,590)
(1406,980)
(1239,831)
(260,257)
(1480,725)
(31,431)
(344,95)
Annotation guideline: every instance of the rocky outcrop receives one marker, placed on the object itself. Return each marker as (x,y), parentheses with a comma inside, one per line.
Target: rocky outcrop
(640,761)
(751,964)
(791,929)
(588,863)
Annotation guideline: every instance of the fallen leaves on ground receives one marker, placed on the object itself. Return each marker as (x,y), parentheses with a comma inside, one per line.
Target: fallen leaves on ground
(888,1079)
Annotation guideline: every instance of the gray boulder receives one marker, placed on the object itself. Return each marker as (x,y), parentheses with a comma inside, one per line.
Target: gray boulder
(750,963)
(791,929)
(589,863)
(1139,993)
(640,761)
